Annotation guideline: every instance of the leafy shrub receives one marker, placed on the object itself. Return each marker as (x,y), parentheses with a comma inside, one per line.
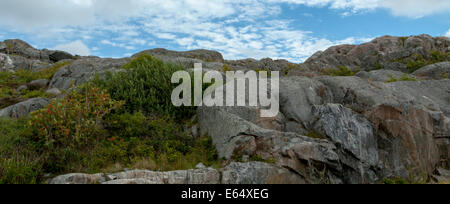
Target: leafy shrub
(70,124)
(227,68)
(146,86)
(73,120)
(418,61)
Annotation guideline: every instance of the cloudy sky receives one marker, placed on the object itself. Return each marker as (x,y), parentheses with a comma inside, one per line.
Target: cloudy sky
(288,29)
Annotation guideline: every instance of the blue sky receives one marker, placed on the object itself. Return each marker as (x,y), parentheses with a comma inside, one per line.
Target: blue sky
(287,29)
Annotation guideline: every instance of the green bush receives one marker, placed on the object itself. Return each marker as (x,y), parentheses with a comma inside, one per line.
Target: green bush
(70,125)
(418,61)
(146,86)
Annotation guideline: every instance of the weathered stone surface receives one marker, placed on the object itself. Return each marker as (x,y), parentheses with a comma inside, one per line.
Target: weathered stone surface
(204,55)
(24,108)
(53,92)
(78,179)
(381,52)
(354,137)
(38,84)
(381,75)
(435,71)
(442,176)
(233,136)
(83,70)
(263,64)
(21,48)
(258,173)
(6,62)
(57,56)
(196,176)
(405,140)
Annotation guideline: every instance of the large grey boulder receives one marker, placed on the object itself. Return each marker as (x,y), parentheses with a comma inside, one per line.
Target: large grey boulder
(83,70)
(204,55)
(21,48)
(6,62)
(38,84)
(435,71)
(57,56)
(24,108)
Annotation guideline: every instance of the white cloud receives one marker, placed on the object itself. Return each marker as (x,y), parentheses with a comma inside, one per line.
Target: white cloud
(448,33)
(237,28)
(76,48)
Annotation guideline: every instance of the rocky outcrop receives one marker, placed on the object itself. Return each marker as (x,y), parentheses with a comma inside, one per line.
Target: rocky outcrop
(370,130)
(24,108)
(263,64)
(235,173)
(382,75)
(435,71)
(83,70)
(382,53)
(204,55)
(356,129)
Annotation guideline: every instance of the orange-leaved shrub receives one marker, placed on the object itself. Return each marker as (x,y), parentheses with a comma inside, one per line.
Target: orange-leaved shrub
(74,120)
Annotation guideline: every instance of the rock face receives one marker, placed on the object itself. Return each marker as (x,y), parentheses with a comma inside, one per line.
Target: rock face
(383,52)
(24,108)
(82,70)
(382,75)
(204,55)
(356,129)
(435,71)
(371,130)
(235,173)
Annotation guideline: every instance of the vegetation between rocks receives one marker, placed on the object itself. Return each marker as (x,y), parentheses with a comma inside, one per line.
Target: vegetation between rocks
(123,121)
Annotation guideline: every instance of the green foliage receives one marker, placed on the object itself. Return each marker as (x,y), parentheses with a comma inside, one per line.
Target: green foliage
(146,86)
(397,181)
(403,40)
(74,120)
(68,125)
(340,71)
(291,67)
(417,61)
(91,131)
(18,163)
(33,94)
(406,77)
(391,79)
(227,68)
(26,76)
(444,75)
